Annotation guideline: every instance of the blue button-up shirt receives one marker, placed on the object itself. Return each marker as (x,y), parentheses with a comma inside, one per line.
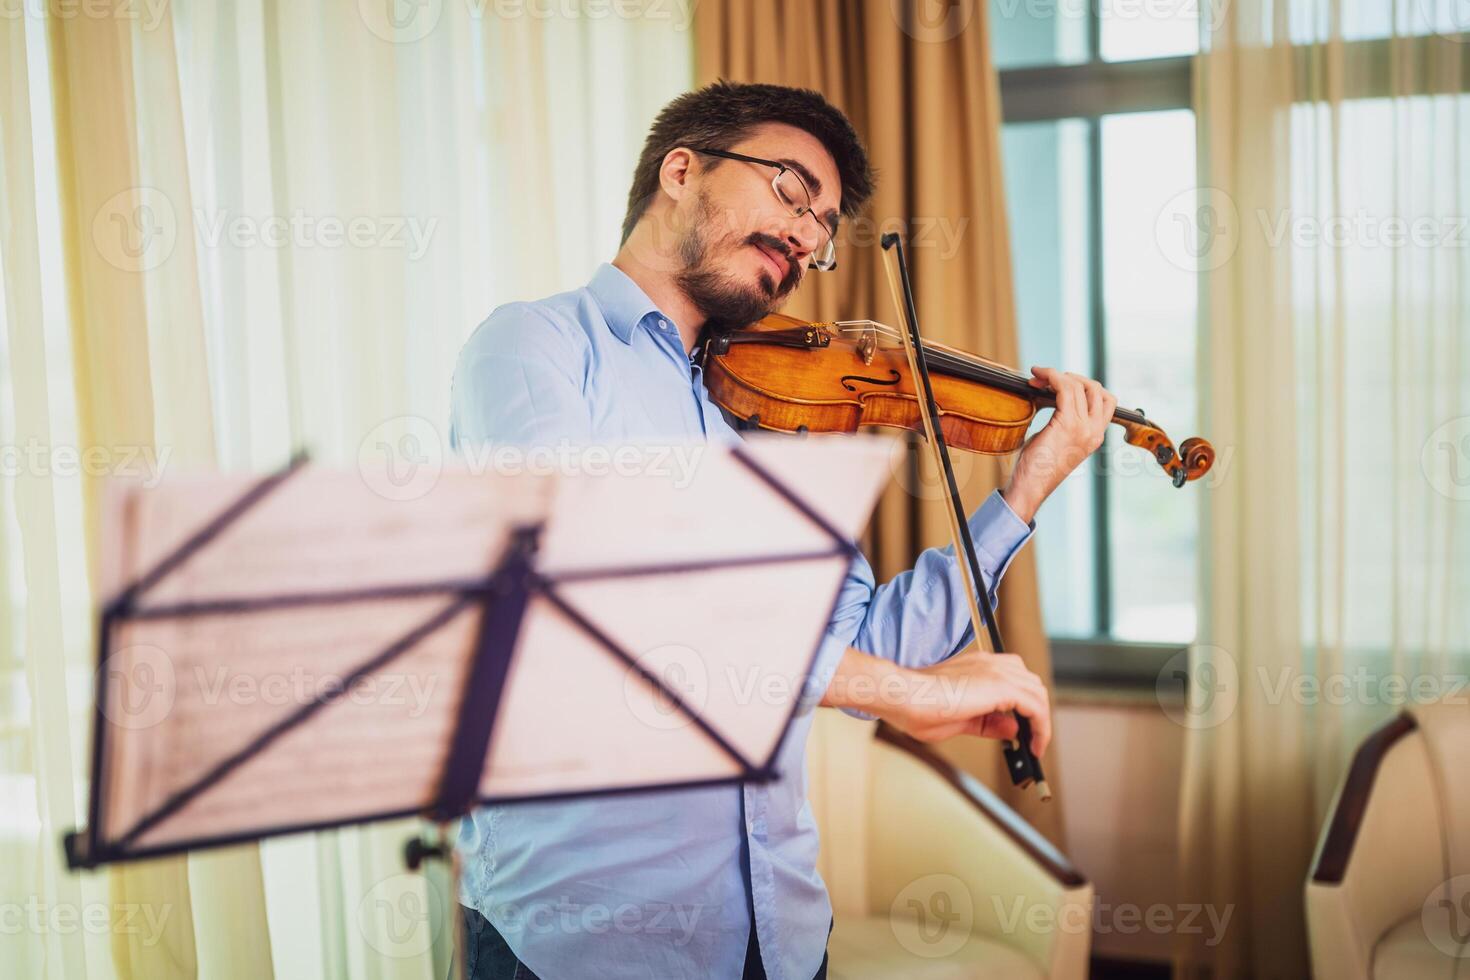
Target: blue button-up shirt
(669,884)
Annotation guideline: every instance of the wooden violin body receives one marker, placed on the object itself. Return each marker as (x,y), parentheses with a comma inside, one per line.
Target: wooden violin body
(792,376)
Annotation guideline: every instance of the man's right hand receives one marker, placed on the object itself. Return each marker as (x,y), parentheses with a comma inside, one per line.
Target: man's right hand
(970,693)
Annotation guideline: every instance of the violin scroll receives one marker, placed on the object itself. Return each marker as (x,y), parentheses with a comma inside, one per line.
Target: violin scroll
(1198,456)
(1191,461)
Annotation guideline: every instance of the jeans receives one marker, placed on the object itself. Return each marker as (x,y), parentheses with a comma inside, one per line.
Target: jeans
(488,957)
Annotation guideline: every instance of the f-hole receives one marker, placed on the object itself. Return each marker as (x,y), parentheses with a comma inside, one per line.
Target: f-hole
(872,381)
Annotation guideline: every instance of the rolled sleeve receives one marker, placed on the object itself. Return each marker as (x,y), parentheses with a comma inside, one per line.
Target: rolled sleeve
(829,657)
(922,616)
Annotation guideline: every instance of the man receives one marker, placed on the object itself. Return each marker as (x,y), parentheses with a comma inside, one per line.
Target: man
(737,190)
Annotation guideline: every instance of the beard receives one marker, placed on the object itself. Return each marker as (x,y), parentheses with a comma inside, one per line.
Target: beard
(727,302)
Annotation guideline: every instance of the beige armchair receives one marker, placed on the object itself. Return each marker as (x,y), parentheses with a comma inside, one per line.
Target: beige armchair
(1389,893)
(931,875)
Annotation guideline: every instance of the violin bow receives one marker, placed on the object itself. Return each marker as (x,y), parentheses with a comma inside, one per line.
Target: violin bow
(1021,762)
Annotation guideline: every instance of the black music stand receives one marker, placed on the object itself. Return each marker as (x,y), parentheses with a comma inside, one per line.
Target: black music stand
(496,603)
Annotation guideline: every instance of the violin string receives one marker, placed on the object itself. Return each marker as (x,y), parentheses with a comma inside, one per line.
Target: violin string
(964,366)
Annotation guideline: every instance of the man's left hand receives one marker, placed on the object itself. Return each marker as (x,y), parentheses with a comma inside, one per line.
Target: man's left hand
(1074,432)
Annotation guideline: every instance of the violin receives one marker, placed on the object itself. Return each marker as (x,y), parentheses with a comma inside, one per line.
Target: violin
(792,376)
(789,375)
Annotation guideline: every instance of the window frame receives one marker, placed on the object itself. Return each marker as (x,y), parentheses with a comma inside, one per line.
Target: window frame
(1087,92)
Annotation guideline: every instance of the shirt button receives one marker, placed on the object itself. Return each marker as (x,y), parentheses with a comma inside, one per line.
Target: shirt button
(663,325)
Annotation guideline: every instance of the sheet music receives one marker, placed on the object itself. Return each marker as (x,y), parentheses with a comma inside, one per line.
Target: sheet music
(188,694)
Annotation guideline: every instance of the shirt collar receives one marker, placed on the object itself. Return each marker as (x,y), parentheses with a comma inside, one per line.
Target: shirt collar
(623,303)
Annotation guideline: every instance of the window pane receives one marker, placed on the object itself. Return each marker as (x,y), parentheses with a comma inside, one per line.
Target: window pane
(1368,21)
(1379,255)
(1134,29)
(1149,283)
(1046,193)
(1027,33)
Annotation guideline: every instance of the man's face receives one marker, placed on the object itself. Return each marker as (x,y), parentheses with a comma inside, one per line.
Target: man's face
(742,250)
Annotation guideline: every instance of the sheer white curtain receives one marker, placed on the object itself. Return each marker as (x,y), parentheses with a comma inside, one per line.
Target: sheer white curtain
(228,231)
(1335,245)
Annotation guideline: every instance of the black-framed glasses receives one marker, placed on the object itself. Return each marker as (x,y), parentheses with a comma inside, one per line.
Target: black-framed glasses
(791,191)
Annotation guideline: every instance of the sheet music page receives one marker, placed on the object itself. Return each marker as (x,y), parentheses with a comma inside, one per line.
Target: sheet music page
(735,644)
(188,695)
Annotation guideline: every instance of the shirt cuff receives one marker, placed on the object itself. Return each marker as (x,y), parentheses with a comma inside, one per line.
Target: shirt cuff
(998,533)
(824,668)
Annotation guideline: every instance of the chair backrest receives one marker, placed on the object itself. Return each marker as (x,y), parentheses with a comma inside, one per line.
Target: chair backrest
(838,768)
(1399,833)
(1445,729)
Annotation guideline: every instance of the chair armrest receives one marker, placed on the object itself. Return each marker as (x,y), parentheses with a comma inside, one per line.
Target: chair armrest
(936,830)
(1378,857)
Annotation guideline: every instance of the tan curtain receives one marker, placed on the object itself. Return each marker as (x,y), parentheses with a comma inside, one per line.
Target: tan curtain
(182,285)
(923,94)
(1335,365)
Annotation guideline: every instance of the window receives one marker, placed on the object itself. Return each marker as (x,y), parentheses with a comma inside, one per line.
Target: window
(1098,143)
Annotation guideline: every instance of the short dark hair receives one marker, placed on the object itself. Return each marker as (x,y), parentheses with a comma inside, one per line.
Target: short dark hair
(723,113)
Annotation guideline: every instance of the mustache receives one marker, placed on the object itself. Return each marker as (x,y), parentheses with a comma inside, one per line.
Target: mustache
(793,268)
